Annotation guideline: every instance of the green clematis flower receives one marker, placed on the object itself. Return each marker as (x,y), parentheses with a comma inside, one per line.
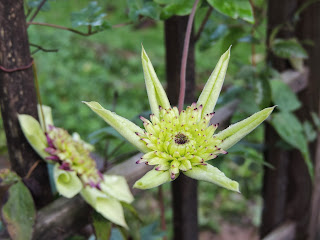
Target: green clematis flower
(74,170)
(183,141)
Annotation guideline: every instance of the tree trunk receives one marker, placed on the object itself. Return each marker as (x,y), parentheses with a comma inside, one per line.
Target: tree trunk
(287,189)
(184,190)
(17,95)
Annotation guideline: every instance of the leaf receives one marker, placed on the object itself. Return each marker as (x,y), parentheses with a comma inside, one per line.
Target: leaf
(90,16)
(316,120)
(117,187)
(284,97)
(107,206)
(156,94)
(102,227)
(152,179)
(211,34)
(132,210)
(309,131)
(211,91)
(151,232)
(212,174)
(239,130)
(34,134)
(36,3)
(19,213)
(288,48)
(146,8)
(234,8)
(177,7)
(262,91)
(126,128)
(68,184)
(290,130)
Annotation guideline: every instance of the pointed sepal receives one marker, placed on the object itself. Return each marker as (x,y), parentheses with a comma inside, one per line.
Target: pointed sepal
(239,130)
(125,127)
(152,179)
(156,94)
(34,134)
(212,174)
(211,91)
(117,187)
(107,206)
(67,183)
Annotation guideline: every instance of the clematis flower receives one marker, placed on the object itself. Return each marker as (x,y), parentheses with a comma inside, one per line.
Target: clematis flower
(74,170)
(174,141)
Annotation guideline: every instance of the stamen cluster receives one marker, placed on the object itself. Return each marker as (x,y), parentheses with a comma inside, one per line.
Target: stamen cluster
(179,141)
(72,155)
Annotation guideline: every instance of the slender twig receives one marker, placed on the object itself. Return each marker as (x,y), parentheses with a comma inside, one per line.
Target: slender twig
(185,57)
(32,169)
(39,48)
(37,11)
(62,27)
(162,210)
(203,24)
(10,70)
(38,95)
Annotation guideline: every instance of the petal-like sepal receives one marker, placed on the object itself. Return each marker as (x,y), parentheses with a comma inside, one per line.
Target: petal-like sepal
(211,90)
(34,134)
(67,183)
(117,187)
(212,174)
(108,207)
(239,130)
(126,128)
(47,115)
(153,179)
(156,94)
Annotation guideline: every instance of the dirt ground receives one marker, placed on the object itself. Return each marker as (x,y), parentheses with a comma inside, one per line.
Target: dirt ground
(231,232)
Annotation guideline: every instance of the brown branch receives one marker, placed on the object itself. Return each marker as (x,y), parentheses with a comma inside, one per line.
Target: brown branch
(162,210)
(203,24)
(37,11)
(39,48)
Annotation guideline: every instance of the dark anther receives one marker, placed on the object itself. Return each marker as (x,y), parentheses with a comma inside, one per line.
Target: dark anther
(180,138)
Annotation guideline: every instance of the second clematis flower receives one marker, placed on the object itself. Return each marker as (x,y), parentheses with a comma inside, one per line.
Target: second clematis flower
(183,141)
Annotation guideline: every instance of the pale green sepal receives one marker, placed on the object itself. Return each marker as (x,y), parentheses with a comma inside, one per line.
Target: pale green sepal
(67,183)
(211,90)
(34,134)
(156,94)
(153,179)
(47,114)
(239,130)
(107,206)
(212,174)
(117,187)
(126,128)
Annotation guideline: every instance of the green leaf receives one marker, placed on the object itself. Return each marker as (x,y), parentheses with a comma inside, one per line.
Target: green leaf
(19,213)
(132,210)
(146,8)
(156,94)
(126,128)
(316,120)
(117,187)
(177,7)
(309,131)
(212,174)
(152,179)
(234,8)
(284,97)
(102,227)
(211,34)
(90,16)
(8,177)
(34,134)
(67,183)
(288,48)
(290,130)
(152,232)
(109,207)
(36,3)
(239,130)
(211,90)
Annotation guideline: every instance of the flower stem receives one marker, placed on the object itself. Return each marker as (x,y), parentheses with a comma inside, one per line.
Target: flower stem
(185,57)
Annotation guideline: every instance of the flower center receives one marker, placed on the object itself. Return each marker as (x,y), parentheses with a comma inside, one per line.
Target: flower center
(180,138)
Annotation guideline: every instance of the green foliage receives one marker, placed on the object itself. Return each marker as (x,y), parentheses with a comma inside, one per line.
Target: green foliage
(102,227)
(18,212)
(234,8)
(288,48)
(90,16)
(283,96)
(36,3)
(291,130)
(145,8)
